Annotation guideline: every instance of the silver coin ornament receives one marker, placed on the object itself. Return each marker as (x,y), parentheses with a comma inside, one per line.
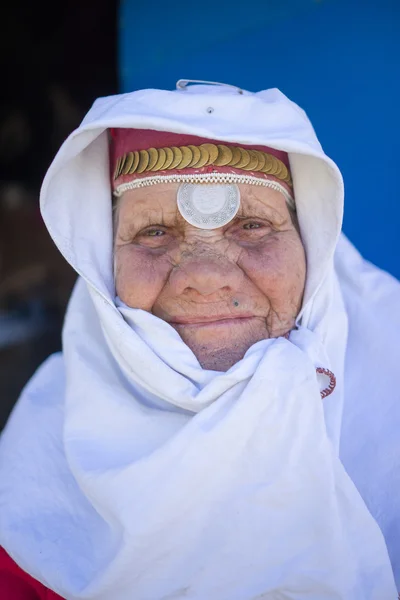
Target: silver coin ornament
(208,206)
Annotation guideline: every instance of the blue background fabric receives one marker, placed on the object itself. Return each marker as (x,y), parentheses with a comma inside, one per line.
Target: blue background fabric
(338,59)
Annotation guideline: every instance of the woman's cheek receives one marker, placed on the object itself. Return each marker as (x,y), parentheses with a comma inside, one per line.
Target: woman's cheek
(140,276)
(262,264)
(277,268)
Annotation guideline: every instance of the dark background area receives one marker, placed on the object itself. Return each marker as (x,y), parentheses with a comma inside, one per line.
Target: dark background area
(56,59)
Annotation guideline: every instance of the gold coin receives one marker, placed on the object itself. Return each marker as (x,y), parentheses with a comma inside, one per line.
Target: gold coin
(177,157)
(275,165)
(153,158)
(236,156)
(187,157)
(161,157)
(224,156)
(204,157)
(253,161)
(121,165)
(143,161)
(196,155)
(261,160)
(283,172)
(128,163)
(135,162)
(279,168)
(117,166)
(169,157)
(289,180)
(268,164)
(212,151)
(244,160)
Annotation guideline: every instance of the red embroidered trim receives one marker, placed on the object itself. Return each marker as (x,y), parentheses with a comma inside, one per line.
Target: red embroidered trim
(332,383)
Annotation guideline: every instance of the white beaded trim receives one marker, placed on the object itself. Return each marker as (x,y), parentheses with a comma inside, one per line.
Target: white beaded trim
(205,178)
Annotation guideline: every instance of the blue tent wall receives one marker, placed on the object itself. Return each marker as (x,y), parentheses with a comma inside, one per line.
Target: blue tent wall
(338,59)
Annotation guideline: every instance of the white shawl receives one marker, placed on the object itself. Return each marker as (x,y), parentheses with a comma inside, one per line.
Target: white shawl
(128,472)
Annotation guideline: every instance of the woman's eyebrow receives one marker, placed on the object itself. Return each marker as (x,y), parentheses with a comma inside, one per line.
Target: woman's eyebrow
(260,209)
(137,219)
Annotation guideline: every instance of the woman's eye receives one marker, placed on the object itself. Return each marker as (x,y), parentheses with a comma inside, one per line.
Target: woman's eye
(252,225)
(154,232)
(250,231)
(154,237)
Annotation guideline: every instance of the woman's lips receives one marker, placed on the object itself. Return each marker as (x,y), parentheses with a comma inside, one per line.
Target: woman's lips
(221,320)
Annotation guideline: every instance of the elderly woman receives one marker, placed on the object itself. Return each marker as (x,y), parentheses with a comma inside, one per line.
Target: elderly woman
(222,423)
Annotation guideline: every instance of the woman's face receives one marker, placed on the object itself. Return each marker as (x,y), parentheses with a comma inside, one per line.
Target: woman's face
(222,289)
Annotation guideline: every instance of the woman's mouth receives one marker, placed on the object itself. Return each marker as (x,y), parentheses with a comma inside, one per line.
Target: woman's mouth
(214,321)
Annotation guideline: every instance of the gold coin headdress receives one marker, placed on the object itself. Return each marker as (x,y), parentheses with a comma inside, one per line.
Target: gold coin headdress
(146,157)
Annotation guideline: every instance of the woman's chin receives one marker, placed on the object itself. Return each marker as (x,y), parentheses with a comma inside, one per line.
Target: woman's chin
(220,360)
(219,350)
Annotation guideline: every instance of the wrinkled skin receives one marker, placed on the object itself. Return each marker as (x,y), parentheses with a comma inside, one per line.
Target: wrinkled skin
(222,289)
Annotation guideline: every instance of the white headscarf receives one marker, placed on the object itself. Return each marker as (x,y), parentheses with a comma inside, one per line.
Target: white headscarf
(126,470)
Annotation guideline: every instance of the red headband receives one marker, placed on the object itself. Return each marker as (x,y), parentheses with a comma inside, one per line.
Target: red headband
(139,154)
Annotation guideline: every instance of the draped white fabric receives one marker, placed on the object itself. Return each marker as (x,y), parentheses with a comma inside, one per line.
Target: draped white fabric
(127,471)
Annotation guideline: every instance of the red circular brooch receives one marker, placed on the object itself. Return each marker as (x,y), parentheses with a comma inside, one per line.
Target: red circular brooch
(332,381)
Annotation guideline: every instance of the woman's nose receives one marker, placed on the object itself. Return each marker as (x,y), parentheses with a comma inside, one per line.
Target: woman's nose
(206,276)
